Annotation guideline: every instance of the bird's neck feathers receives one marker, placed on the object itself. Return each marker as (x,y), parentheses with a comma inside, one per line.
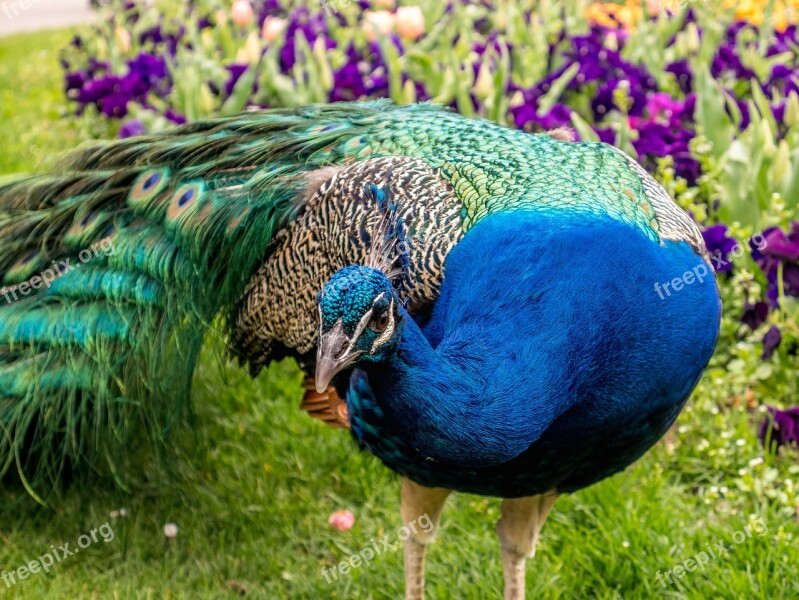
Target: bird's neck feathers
(442,392)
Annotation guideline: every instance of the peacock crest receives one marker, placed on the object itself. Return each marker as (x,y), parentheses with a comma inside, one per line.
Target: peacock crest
(389,251)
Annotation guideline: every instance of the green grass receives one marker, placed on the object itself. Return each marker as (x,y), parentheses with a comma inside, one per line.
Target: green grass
(253,505)
(35,129)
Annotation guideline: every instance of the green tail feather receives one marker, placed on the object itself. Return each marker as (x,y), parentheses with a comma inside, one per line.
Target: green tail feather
(115,267)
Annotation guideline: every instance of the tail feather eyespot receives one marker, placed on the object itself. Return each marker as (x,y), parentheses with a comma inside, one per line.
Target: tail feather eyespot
(147,187)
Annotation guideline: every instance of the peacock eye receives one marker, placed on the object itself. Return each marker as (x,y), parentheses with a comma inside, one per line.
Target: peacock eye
(380,323)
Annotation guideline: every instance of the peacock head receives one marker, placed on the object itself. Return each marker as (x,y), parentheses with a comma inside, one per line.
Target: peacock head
(359,321)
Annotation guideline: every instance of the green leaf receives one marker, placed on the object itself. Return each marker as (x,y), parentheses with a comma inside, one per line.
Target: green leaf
(587,134)
(549,99)
(735,187)
(712,120)
(764,106)
(241,93)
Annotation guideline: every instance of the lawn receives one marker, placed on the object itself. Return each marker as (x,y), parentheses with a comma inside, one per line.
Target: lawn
(260,479)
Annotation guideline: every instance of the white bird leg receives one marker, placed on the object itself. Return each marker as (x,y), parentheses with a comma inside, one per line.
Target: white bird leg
(518,529)
(421,512)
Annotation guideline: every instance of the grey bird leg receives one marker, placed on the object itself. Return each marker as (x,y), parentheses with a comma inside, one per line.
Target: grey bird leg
(518,529)
(419,501)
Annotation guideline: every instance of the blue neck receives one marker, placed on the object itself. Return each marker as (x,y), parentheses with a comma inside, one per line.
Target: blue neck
(457,409)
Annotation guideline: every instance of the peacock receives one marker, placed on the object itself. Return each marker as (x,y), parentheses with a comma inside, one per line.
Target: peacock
(481,307)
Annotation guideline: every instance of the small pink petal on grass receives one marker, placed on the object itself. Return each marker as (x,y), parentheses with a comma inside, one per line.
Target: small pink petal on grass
(342,520)
(170,531)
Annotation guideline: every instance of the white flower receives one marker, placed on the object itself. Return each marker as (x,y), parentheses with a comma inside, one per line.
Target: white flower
(170,531)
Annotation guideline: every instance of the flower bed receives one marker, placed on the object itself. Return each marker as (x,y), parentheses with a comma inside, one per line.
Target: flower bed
(704,97)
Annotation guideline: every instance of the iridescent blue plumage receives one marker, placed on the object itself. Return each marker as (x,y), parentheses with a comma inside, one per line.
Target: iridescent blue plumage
(549,362)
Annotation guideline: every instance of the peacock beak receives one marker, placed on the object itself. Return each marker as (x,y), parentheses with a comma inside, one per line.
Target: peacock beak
(333,355)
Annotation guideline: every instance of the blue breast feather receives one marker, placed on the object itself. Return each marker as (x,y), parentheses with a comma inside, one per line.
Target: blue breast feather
(550,360)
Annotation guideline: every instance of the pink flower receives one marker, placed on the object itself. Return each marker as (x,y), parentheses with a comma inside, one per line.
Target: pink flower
(241,13)
(378,23)
(273,27)
(410,22)
(342,520)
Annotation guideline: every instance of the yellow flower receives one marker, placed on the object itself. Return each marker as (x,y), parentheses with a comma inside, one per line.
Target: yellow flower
(625,16)
(617,16)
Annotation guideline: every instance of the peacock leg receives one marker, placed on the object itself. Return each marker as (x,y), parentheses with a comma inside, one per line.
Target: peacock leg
(518,529)
(421,512)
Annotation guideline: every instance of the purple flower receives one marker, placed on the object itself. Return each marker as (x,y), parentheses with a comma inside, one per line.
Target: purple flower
(269,8)
(132,128)
(779,247)
(598,63)
(75,81)
(134,87)
(156,37)
(784,41)
(771,342)
(665,129)
(726,61)
(682,72)
(780,428)
(526,117)
(719,245)
(174,116)
(236,70)
(115,105)
(606,134)
(312,26)
(348,84)
(784,79)
(602,103)
(148,65)
(97,66)
(92,91)
(754,315)
(677,113)
(656,139)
